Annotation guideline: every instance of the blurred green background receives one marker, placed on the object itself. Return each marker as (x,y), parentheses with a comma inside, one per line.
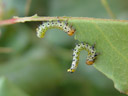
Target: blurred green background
(38,66)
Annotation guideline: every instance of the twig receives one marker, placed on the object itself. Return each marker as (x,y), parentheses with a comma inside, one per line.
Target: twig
(38,18)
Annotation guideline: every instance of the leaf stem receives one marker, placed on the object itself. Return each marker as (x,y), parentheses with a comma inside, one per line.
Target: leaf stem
(15,19)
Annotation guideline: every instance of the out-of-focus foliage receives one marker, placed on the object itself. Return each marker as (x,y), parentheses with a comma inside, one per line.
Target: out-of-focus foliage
(8,89)
(38,66)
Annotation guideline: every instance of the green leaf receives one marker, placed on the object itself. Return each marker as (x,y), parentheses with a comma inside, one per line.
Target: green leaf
(9,89)
(111,38)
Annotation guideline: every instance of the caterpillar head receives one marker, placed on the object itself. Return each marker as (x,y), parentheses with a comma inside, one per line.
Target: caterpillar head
(71,32)
(71,70)
(89,62)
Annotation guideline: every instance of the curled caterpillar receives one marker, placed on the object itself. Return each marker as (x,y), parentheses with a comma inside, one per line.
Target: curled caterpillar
(76,52)
(41,30)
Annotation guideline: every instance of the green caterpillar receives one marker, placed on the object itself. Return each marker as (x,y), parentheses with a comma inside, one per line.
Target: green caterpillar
(42,29)
(76,52)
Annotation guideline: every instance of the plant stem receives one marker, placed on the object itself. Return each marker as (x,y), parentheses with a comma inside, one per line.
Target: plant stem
(38,18)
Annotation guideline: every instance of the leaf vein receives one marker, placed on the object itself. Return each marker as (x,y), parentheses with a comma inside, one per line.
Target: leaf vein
(101,31)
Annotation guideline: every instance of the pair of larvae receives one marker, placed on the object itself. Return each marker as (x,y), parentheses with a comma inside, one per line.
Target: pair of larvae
(42,29)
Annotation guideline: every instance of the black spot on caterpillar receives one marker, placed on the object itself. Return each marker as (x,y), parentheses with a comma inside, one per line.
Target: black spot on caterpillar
(42,29)
(76,52)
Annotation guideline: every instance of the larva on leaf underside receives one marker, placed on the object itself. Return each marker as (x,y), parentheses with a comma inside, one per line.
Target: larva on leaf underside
(76,52)
(42,29)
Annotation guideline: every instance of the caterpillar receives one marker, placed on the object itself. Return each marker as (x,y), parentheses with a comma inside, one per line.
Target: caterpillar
(76,52)
(42,29)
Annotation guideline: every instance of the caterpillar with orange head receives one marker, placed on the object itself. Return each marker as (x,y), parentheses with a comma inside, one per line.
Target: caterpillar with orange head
(76,52)
(42,29)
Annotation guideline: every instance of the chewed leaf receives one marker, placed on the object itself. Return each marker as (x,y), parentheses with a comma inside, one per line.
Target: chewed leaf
(111,37)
